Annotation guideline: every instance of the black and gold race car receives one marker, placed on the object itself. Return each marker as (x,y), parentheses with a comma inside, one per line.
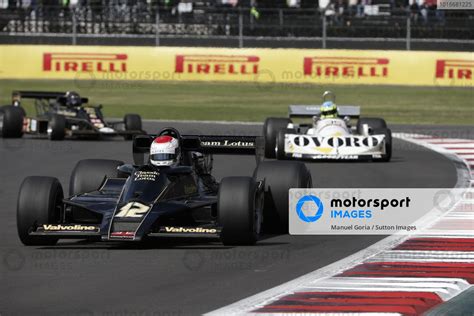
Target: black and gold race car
(61,114)
(113,201)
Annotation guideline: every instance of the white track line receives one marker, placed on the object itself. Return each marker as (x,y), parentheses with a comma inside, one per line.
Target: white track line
(327,314)
(423,256)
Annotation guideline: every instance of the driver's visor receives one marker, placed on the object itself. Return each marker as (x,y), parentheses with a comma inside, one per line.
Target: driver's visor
(330,112)
(75,100)
(162,157)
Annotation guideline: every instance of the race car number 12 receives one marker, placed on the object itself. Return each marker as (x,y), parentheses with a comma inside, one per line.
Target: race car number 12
(133,209)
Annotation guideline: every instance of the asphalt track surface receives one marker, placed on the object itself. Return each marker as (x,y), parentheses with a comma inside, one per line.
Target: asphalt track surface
(174,277)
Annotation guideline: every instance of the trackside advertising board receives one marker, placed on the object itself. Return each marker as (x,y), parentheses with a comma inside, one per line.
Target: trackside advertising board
(245,65)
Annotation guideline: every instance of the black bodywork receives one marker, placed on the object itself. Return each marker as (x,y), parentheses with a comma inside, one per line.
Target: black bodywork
(84,121)
(147,201)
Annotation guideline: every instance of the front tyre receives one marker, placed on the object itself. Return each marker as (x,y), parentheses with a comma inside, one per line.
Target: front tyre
(89,174)
(388,144)
(133,122)
(57,127)
(373,123)
(11,121)
(280,177)
(39,202)
(239,207)
(271,128)
(280,143)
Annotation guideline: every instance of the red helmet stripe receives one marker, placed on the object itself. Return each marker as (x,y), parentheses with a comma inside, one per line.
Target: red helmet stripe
(163,139)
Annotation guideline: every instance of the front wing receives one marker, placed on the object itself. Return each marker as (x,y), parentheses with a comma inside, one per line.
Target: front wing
(352,147)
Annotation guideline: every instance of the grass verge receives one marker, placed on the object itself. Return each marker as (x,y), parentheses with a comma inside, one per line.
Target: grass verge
(255,102)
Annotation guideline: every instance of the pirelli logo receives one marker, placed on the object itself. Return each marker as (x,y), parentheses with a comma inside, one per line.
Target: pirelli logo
(217,64)
(84,62)
(454,69)
(346,67)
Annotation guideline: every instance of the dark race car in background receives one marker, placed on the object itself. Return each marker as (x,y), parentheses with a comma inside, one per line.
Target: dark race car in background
(113,201)
(57,119)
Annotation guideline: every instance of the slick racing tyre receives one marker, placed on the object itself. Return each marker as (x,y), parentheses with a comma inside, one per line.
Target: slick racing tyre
(57,127)
(239,210)
(271,127)
(11,121)
(374,124)
(388,144)
(39,202)
(133,122)
(280,143)
(279,177)
(89,174)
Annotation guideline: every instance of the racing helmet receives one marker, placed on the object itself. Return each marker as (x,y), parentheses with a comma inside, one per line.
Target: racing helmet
(73,99)
(165,151)
(329,110)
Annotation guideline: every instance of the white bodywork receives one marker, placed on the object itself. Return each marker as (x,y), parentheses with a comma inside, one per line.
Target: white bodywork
(329,128)
(333,139)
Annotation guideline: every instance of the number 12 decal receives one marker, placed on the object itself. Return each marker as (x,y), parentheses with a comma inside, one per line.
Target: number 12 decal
(133,209)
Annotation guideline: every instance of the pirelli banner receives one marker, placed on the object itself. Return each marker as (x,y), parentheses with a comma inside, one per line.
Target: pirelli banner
(249,65)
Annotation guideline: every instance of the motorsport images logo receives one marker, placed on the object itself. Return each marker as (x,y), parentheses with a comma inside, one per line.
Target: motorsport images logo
(309,204)
(349,208)
(366,210)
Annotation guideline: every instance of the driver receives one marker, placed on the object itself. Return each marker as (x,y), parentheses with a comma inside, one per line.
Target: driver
(73,99)
(329,110)
(328,123)
(165,151)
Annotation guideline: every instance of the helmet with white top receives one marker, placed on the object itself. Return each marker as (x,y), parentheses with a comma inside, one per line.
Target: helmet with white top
(165,151)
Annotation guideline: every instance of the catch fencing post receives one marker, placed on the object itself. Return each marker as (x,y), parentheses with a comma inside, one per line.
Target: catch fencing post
(157,26)
(408,32)
(241,29)
(280,15)
(74,27)
(324,29)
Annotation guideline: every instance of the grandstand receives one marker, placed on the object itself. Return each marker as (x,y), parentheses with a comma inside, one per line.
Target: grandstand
(395,24)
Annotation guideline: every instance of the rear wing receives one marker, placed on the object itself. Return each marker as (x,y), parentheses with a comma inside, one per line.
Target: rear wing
(206,144)
(351,111)
(41,95)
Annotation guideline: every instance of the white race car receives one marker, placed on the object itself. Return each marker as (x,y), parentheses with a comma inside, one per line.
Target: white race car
(329,138)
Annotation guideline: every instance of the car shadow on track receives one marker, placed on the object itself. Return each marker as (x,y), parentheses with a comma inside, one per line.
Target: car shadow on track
(160,243)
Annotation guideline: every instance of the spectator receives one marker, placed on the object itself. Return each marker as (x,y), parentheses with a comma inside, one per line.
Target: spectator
(339,8)
(330,11)
(414,11)
(352,7)
(360,8)
(424,13)
(232,3)
(253,10)
(440,17)
(293,3)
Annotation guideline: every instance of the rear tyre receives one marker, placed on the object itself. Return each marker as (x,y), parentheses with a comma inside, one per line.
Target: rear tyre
(133,122)
(280,176)
(239,211)
(271,127)
(89,174)
(374,124)
(57,127)
(39,202)
(11,121)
